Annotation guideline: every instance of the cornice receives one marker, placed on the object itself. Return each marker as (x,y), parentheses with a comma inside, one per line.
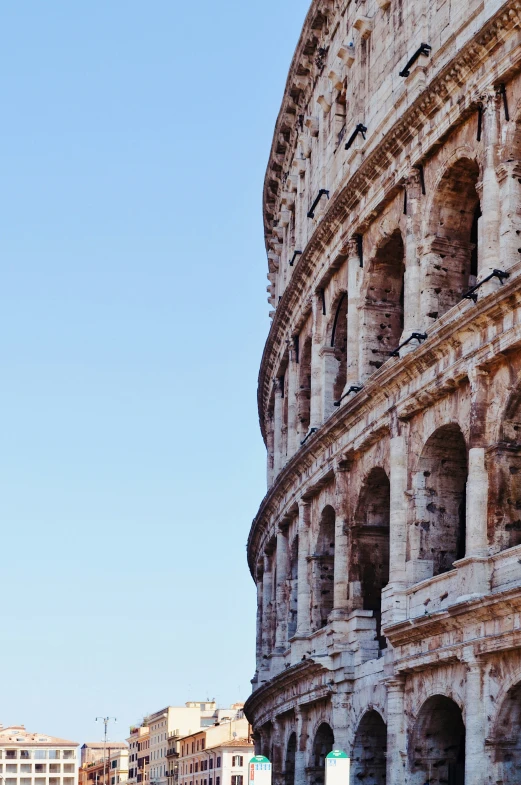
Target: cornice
(377,162)
(276,687)
(384,390)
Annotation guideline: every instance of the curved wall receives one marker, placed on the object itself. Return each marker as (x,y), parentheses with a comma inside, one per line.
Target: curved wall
(387,551)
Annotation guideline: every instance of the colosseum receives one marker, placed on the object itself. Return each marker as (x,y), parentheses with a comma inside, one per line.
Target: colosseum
(387,550)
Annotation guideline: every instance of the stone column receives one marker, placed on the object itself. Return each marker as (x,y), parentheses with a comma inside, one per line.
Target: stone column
(488,250)
(476,763)
(354,276)
(281,630)
(277,765)
(398,511)
(301,753)
(304,589)
(509,177)
(411,317)
(292,372)
(259,643)
(329,372)
(341,576)
(315,409)
(267,615)
(277,425)
(396,737)
(477,504)
(269,450)
(340,717)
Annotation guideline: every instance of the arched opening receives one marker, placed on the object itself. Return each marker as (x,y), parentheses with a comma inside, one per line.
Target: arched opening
(383,311)
(438,747)
(304,390)
(322,746)
(323,568)
(505,486)
(370,750)
(450,265)
(339,344)
(371,544)
(289,767)
(438,530)
(507,738)
(293,588)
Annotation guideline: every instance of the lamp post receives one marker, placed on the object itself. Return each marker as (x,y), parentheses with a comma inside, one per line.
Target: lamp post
(105,721)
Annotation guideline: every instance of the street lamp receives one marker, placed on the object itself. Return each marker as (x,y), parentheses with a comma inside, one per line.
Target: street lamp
(105,721)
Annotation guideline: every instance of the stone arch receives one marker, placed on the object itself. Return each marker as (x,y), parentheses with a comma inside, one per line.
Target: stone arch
(506,739)
(437,533)
(323,743)
(450,251)
(293,587)
(504,523)
(304,387)
(289,762)
(383,304)
(437,746)
(370,544)
(337,340)
(370,749)
(322,569)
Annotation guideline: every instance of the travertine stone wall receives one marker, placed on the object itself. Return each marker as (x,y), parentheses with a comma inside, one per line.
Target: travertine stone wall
(387,551)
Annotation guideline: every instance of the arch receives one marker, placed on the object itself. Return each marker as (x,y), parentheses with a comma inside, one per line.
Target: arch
(322,570)
(383,307)
(370,750)
(504,526)
(437,749)
(323,743)
(289,763)
(339,344)
(437,535)
(450,261)
(371,543)
(293,588)
(304,390)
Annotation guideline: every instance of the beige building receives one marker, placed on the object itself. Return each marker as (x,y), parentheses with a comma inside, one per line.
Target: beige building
(217,755)
(104,765)
(387,550)
(36,758)
(139,754)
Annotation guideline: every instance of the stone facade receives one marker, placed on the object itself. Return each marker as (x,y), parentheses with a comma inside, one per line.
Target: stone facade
(387,551)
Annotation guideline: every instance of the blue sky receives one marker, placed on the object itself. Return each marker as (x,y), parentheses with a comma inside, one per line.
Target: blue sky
(132,316)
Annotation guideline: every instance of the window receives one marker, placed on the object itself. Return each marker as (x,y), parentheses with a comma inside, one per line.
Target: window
(11,768)
(191,768)
(40,768)
(25,781)
(112,781)
(54,781)
(203,744)
(39,781)
(54,754)
(237,760)
(54,768)
(10,754)
(193,746)
(218,765)
(10,781)
(68,768)
(197,765)
(40,754)
(217,781)
(25,768)
(68,781)
(68,754)
(211,763)
(25,754)
(237,779)
(114,764)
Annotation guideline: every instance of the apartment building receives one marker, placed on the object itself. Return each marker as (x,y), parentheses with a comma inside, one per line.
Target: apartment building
(28,758)
(217,755)
(109,768)
(138,754)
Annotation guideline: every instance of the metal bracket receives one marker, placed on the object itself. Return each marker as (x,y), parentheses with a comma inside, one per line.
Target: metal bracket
(292,260)
(360,129)
(424,49)
(472,293)
(415,336)
(321,193)
(354,388)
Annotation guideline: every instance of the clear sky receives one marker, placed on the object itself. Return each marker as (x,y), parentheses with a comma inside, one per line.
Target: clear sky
(133,313)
